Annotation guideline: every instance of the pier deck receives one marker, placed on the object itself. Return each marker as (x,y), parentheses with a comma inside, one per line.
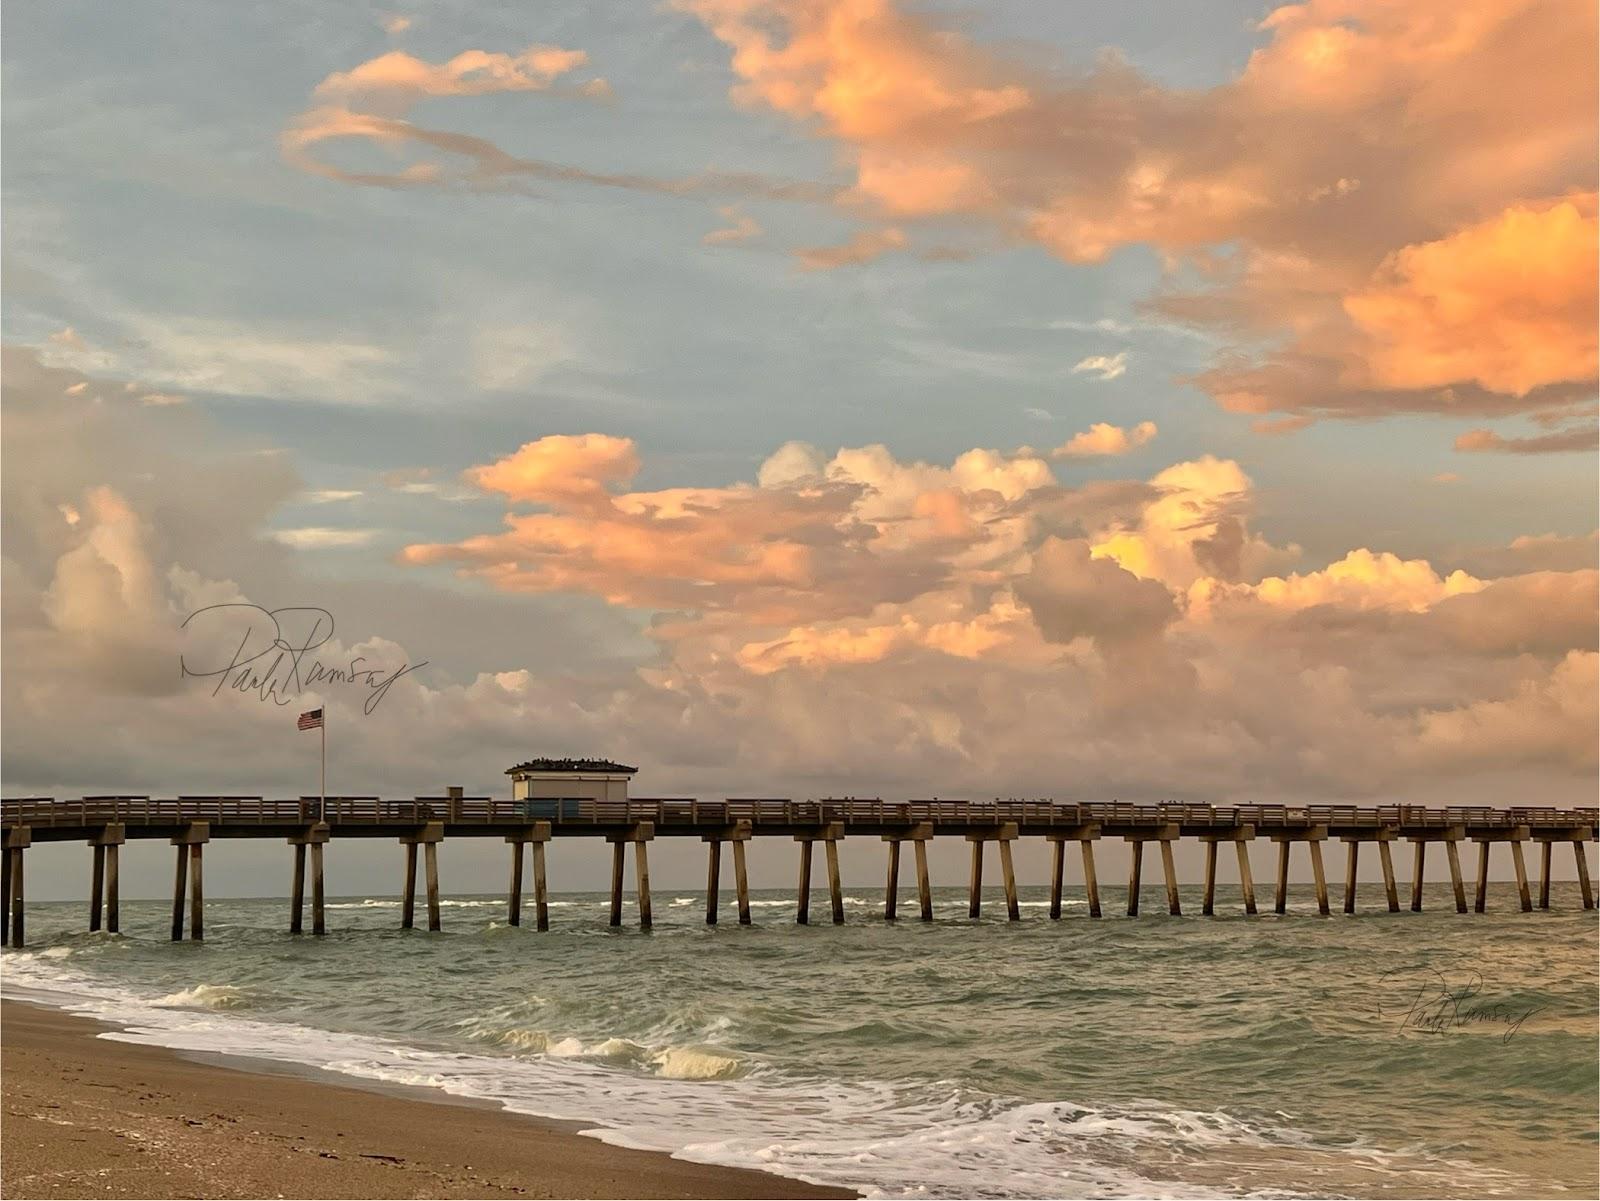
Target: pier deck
(309,824)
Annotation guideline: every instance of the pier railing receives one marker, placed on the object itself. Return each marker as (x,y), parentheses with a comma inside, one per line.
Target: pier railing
(667,813)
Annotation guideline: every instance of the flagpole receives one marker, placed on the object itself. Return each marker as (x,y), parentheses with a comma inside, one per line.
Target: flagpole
(322,806)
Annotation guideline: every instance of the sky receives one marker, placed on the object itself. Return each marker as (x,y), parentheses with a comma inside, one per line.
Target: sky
(803,398)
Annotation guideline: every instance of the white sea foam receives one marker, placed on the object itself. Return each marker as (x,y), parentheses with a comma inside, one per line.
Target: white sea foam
(204,996)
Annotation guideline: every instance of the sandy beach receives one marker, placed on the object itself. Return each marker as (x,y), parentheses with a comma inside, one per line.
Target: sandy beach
(88,1117)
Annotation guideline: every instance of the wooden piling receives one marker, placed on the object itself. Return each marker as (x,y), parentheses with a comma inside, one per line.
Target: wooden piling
(1207,902)
(741,882)
(802,906)
(514,892)
(5,896)
(430,870)
(1091,884)
(1544,872)
(297,897)
(1170,874)
(619,853)
(319,924)
(97,883)
(1416,874)
(197,920)
(16,840)
(835,891)
(408,899)
(713,878)
(975,883)
(924,886)
(18,899)
(1280,898)
(1137,849)
(1351,849)
(1391,894)
(1454,857)
(113,913)
(1480,897)
(1058,870)
(891,887)
(641,879)
(1318,876)
(1577,850)
(1008,875)
(541,894)
(179,884)
(1521,870)
(1247,885)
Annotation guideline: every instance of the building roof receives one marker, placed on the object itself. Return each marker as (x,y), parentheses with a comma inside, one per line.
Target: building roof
(601,765)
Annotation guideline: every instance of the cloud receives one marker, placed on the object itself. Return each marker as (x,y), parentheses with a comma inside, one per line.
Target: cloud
(70,338)
(1105,367)
(163,398)
(741,227)
(852,620)
(371,104)
(395,25)
(1354,170)
(1103,439)
(1509,304)
(1583,437)
(328,496)
(321,537)
(917,622)
(864,247)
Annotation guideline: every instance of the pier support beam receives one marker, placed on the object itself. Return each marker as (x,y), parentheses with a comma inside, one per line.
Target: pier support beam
(428,836)
(1313,837)
(1004,834)
(1165,835)
(638,834)
(917,836)
(1520,867)
(1058,839)
(1516,836)
(738,834)
(103,902)
(1247,884)
(1382,836)
(17,840)
(1239,836)
(1391,894)
(188,844)
(314,835)
(1454,856)
(829,835)
(1170,875)
(1547,839)
(1418,862)
(1091,883)
(537,833)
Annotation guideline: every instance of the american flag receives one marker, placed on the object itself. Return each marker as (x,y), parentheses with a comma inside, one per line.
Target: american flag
(311,719)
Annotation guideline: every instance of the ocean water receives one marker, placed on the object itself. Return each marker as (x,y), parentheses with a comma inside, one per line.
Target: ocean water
(1398,1055)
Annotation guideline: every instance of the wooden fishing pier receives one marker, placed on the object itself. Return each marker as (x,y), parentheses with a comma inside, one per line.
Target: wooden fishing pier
(309,824)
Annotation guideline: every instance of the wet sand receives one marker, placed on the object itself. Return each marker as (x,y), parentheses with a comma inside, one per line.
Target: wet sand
(88,1117)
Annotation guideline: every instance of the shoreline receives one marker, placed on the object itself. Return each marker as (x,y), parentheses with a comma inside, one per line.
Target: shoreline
(87,1116)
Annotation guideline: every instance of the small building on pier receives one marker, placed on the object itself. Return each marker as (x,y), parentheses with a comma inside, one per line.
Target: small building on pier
(570,779)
